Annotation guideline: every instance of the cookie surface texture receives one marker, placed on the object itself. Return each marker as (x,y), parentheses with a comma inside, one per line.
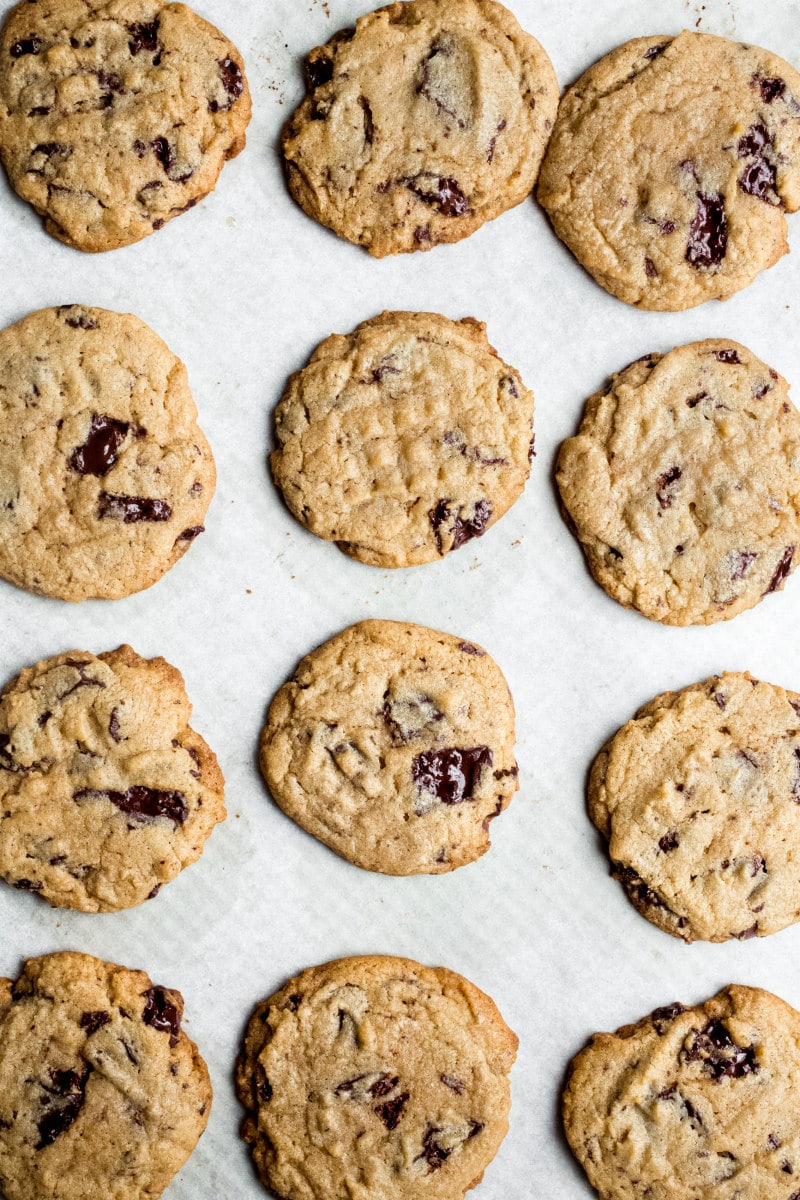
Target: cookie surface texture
(428,119)
(683,483)
(105,477)
(403,440)
(117,116)
(106,793)
(691,1102)
(699,799)
(671,165)
(375,1077)
(101,1093)
(394,745)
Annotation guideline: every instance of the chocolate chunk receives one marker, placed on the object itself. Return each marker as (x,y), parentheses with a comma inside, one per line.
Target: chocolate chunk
(434,1154)
(407,717)
(451,775)
(392,1110)
(131,509)
(455,1085)
(142,804)
(468,648)
(265,1091)
(638,891)
(80,321)
(113,726)
(708,232)
(92,1021)
(151,895)
(650,269)
(26,885)
(719,1055)
(161,1013)
(668,842)
(231,75)
(42,720)
(663,484)
(144,37)
(742,563)
(48,155)
(443,49)
(662,1017)
(693,401)
(720,699)
(100,451)
(654,51)
(770,89)
(294,1001)
(461,530)
(110,80)
(319,71)
(84,680)
(727,356)
(163,152)
(363,1088)
(442,192)
(31,45)
(781,571)
(422,234)
(744,935)
(62,1101)
(189,535)
(758,177)
(384,367)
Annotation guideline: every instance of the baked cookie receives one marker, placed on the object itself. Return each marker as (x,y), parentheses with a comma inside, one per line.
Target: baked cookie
(101,1093)
(105,477)
(683,484)
(671,165)
(404,439)
(106,793)
(691,1102)
(116,115)
(394,745)
(699,799)
(375,1077)
(426,120)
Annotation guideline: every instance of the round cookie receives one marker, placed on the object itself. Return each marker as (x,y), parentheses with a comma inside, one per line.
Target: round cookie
(426,120)
(394,745)
(106,793)
(101,1093)
(699,799)
(691,1102)
(404,439)
(670,167)
(375,1076)
(105,477)
(116,117)
(683,484)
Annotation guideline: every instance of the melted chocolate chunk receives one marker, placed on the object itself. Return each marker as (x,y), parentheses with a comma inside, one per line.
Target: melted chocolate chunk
(163,152)
(669,841)
(319,71)
(161,1013)
(708,232)
(719,1055)
(92,1021)
(231,75)
(781,571)
(664,484)
(84,679)
(442,192)
(742,563)
(144,37)
(727,356)
(383,368)
(392,1110)
(142,804)
(113,726)
(100,451)
(654,51)
(81,321)
(770,89)
(451,775)
(62,1101)
(468,648)
(455,1085)
(758,177)
(434,1154)
(662,1017)
(131,509)
(189,535)
(31,45)
(461,530)
(638,891)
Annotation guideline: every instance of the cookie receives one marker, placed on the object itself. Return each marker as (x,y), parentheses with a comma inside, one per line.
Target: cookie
(691,1102)
(404,439)
(375,1077)
(105,477)
(426,120)
(106,793)
(683,484)
(671,165)
(394,745)
(101,1093)
(115,118)
(699,799)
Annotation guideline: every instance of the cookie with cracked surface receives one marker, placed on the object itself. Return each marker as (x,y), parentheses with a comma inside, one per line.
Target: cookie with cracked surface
(375,1076)
(698,1102)
(682,483)
(699,799)
(404,439)
(426,120)
(671,165)
(106,794)
(101,1092)
(116,117)
(394,745)
(105,477)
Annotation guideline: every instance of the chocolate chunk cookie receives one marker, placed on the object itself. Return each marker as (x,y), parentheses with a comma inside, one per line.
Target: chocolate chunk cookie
(101,1093)
(691,1102)
(116,117)
(699,799)
(404,439)
(671,165)
(106,793)
(394,745)
(375,1076)
(105,477)
(426,120)
(683,484)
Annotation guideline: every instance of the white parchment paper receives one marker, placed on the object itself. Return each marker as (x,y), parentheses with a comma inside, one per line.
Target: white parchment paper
(243,288)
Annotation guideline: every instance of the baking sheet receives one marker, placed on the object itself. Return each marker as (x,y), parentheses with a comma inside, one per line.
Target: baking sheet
(243,288)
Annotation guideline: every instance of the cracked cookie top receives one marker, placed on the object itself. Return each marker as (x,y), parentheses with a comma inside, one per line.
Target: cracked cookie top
(698,1102)
(106,793)
(683,483)
(116,115)
(403,440)
(671,165)
(426,120)
(101,1092)
(105,477)
(375,1076)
